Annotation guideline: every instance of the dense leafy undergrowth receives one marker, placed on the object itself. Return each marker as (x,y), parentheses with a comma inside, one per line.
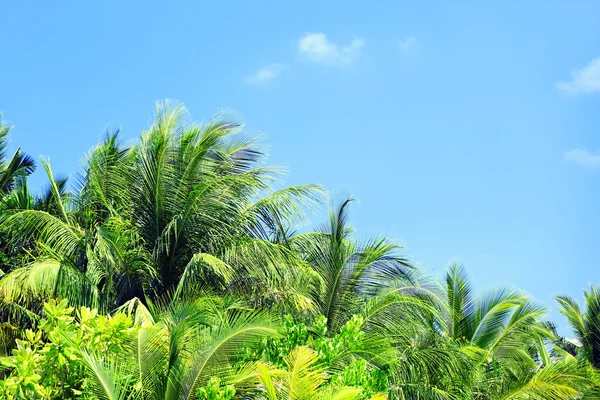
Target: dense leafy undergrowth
(176,268)
(80,353)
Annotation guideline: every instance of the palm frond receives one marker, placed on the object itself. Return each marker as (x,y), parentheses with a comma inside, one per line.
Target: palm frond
(108,380)
(31,285)
(558,381)
(223,345)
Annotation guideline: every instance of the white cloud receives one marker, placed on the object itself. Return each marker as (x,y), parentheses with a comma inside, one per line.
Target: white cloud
(316,47)
(266,74)
(584,80)
(583,157)
(408,43)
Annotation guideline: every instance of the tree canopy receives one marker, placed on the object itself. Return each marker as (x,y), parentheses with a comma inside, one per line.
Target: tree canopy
(180,267)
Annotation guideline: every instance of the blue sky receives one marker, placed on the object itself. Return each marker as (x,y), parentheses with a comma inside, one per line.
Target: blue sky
(467,130)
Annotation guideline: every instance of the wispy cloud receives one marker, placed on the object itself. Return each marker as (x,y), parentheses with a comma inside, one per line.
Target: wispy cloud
(584,80)
(583,157)
(266,74)
(317,48)
(407,43)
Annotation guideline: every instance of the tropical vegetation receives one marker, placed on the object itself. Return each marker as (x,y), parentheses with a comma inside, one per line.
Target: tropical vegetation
(179,267)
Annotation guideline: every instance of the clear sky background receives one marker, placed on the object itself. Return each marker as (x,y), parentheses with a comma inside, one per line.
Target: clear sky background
(467,130)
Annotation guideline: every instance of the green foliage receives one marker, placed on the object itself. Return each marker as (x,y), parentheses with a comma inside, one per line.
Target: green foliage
(340,355)
(171,269)
(49,363)
(585,324)
(213,390)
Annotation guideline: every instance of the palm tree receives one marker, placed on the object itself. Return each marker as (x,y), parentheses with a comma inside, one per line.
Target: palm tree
(188,206)
(351,272)
(585,323)
(197,191)
(20,164)
(13,184)
(422,363)
(560,380)
(502,321)
(502,331)
(96,264)
(13,188)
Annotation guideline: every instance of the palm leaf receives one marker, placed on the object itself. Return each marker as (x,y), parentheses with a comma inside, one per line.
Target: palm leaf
(224,343)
